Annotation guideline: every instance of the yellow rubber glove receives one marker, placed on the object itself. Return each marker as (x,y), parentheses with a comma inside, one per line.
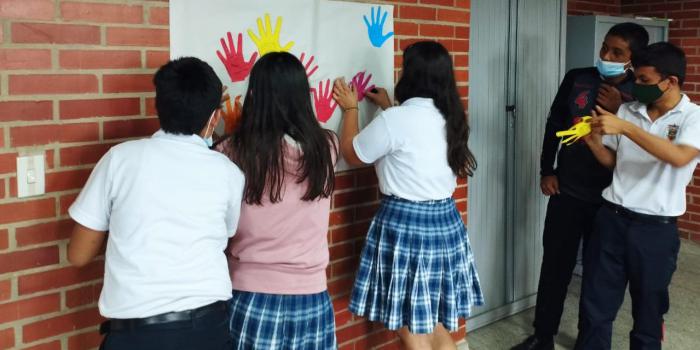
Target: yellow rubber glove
(579,130)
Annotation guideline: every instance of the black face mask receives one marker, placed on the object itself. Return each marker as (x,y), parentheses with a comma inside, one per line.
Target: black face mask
(647,93)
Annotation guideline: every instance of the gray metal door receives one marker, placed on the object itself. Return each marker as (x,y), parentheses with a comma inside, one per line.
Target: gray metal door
(516,64)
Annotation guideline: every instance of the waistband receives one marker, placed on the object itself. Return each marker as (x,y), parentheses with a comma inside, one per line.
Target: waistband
(632,215)
(116,324)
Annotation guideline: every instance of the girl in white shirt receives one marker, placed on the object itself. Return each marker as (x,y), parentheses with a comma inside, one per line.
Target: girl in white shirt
(417,273)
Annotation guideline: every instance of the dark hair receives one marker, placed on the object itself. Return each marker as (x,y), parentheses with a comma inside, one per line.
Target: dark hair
(278,103)
(187,92)
(428,72)
(666,58)
(634,34)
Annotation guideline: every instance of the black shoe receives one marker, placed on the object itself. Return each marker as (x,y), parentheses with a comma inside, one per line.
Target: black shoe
(535,343)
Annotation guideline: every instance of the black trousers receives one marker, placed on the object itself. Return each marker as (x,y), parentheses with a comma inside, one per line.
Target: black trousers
(208,332)
(621,251)
(568,220)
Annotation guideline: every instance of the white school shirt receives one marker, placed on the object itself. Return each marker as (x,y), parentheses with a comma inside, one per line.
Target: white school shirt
(409,146)
(643,183)
(170,204)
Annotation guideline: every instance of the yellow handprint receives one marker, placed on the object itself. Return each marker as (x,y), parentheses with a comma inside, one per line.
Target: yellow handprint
(269,41)
(579,130)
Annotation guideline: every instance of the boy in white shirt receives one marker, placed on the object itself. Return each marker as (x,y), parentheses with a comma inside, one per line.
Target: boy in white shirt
(170,205)
(653,147)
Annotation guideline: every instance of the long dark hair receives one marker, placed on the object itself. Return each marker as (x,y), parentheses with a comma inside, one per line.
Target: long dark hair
(277,103)
(428,72)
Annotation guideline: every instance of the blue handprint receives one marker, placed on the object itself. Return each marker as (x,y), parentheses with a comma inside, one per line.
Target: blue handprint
(376,28)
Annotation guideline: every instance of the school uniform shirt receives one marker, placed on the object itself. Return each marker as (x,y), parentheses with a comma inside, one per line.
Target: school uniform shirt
(579,173)
(170,204)
(282,247)
(643,183)
(409,145)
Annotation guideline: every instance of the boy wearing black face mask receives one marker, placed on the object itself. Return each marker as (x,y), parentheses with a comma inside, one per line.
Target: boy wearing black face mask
(653,146)
(578,180)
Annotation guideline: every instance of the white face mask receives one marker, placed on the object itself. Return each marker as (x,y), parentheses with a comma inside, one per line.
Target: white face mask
(209,140)
(611,69)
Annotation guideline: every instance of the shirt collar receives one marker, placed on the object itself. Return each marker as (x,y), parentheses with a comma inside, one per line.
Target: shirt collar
(641,108)
(191,139)
(419,102)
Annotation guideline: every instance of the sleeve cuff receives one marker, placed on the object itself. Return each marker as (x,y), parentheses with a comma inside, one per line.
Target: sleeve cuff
(358,152)
(87,220)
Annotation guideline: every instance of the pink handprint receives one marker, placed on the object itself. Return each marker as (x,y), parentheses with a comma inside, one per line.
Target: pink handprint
(359,82)
(323,100)
(232,58)
(309,72)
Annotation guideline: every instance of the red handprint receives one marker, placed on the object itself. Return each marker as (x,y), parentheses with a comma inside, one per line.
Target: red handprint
(323,100)
(361,84)
(232,58)
(313,70)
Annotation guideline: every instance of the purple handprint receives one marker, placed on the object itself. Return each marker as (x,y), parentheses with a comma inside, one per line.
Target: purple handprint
(232,58)
(309,71)
(323,100)
(359,82)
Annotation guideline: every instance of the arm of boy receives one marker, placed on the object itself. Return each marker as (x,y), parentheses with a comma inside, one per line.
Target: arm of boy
(85,244)
(677,155)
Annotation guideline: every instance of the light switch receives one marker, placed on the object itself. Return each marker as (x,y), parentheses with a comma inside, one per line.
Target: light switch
(30,175)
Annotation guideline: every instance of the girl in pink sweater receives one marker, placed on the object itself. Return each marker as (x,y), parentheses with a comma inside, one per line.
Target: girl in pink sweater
(278,257)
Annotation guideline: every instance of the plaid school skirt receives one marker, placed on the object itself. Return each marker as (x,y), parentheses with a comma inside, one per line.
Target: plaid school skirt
(417,267)
(286,322)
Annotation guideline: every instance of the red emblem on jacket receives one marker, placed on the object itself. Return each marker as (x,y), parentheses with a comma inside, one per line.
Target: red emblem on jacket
(582,99)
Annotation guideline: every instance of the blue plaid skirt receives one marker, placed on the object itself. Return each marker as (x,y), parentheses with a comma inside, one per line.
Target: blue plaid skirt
(285,322)
(417,267)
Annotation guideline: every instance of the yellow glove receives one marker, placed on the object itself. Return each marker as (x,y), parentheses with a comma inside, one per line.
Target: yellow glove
(579,130)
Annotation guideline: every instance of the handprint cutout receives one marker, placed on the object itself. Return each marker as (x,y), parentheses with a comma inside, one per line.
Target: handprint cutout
(323,100)
(309,70)
(360,83)
(232,58)
(269,40)
(375,29)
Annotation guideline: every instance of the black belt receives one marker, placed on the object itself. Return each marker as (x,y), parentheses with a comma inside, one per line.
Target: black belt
(632,215)
(117,324)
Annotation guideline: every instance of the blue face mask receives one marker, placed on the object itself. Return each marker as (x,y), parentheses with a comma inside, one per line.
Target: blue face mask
(610,69)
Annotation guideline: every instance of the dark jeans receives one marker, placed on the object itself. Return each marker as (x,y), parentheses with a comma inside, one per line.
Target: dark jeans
(621,251)
(208,332)
(568,220)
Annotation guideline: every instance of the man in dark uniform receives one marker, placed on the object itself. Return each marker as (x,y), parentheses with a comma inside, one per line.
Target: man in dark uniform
(576,185)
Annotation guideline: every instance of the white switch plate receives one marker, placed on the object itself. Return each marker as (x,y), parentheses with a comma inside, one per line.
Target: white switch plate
(30,175)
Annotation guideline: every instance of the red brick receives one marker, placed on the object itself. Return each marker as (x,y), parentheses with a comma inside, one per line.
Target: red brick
(45,33)
(58,278)
(349,232)
(27,9)
(61,324)
(366,177)
(26,110)
(88,340)
(355,331)
(99,59)
(83,155)
(456,16)
(341,251)
(159,15)
(42,233)
(52,345)
(138,37)
(406,28)
(128,83)
(45,134)
(83,295)
(52,84)
(4,241)
(417,12)
(7,338)
(354,197)
(8,163)
(27,210)
(2,188)
(366,212)
(341,286)
(65,202)
(438,2)
(151,107)
(122,129)
(29,307)
(2,137)
(114,107)
(66,180)
(27,259)
(5,290)
(101,13)
(338,217)
(155,59)
(344,181)
(24,59)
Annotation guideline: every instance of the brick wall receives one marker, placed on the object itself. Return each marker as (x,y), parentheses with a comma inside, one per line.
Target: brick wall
(685,32)
(75,79)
